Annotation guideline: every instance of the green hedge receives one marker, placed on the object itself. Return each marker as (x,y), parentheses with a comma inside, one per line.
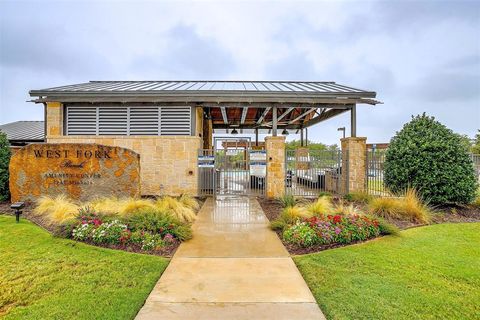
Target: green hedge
(428,156)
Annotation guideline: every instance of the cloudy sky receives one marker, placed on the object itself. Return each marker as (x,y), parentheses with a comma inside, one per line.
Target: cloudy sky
(419,56)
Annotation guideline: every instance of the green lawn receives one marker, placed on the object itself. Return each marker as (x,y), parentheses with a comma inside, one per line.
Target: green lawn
(428,273)
(42,277)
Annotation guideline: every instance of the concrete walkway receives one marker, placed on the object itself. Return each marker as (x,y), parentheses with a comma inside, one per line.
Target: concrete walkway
(235,267)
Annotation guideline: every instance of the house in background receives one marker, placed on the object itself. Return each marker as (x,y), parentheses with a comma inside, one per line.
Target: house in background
(21,133)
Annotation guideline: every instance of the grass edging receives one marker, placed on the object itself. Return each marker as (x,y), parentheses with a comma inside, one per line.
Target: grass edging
(428,272)
(44,277)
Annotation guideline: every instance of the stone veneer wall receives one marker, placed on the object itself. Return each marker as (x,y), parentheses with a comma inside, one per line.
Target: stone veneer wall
(54,118)
(168,165)
(355,148)
(275,147)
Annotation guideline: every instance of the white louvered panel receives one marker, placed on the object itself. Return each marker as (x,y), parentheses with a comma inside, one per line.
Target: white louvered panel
(175,121)
(144,121)
(81,121)
(141,120)
(112,121)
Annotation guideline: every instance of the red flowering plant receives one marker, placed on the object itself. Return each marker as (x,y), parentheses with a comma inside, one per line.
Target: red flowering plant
(87,215)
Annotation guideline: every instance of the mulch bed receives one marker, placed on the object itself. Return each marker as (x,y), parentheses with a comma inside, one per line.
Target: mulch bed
(447,214)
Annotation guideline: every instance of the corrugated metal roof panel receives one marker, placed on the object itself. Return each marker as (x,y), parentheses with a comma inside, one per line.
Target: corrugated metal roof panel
(24,130)
(259,86)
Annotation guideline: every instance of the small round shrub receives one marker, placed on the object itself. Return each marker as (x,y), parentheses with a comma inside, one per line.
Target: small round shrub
(429,157)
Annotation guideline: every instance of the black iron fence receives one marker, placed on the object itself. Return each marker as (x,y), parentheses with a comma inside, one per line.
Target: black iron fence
(310,172)
(375,173)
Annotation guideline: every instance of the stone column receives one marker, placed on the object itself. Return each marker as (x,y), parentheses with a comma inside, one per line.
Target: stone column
(54,119)
(354,162)
(275,147)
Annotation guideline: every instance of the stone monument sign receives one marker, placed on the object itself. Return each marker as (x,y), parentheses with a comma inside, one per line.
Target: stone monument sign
(81,171)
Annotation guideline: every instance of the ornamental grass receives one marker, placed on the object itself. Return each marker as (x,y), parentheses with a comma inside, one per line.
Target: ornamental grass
(176,208)
(409,207)
(55,210)
(322,206)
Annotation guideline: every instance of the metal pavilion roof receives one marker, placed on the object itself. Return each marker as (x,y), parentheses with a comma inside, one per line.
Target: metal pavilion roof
(24,131)
(206,91)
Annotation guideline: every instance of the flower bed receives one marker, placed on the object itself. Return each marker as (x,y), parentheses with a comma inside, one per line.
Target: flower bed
(155,226)
(91,227)
(329,229)
(310,226)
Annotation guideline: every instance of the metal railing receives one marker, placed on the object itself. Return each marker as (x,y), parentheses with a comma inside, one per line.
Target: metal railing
(375,173)
(206,172)
(310,172)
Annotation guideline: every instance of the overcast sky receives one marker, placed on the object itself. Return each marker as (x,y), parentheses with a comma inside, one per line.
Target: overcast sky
(419,56)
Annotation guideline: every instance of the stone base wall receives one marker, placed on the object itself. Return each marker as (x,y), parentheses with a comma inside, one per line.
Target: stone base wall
(168,165)
(275,147)
(355,150)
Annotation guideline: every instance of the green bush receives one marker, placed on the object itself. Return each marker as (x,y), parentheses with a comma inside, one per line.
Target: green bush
(160,222)
(287,200)
(429,157)
(5,155)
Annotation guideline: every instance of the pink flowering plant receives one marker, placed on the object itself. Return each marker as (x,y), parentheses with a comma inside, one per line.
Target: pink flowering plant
(332,229)
(146,232)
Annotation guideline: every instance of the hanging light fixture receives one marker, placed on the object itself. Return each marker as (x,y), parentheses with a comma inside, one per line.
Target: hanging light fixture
(285,132)
(234,131)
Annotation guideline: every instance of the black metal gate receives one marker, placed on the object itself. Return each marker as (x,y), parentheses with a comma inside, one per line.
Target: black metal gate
(236,169)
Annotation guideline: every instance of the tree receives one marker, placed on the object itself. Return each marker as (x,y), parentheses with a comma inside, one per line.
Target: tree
(428,156)
(313,146)
(5,154)
(476,144)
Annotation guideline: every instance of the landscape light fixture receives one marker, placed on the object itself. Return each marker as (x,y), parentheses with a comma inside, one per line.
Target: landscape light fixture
(17,206)
(342,129)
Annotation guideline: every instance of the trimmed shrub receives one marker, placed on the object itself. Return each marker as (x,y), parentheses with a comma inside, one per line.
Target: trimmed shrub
(5,155)
(429,157)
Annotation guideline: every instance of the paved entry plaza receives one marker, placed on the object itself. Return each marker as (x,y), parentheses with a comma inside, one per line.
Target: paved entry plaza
(235,267)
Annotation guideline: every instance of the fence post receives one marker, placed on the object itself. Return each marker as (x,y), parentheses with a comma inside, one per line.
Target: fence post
(354,163)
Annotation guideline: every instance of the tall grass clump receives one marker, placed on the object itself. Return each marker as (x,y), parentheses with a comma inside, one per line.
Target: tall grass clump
(189,202)
(120,206)
(322,205)
(289,215)
(176,208)
(55,210)
(287,200)
(359,196)
(410,207)
(344,209)
(415,208)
